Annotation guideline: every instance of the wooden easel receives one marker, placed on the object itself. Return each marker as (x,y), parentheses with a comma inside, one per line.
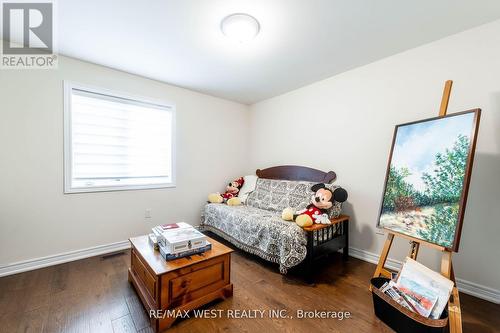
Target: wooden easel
(454,312)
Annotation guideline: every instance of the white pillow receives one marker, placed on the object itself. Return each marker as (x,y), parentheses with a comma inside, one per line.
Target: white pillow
(248,187)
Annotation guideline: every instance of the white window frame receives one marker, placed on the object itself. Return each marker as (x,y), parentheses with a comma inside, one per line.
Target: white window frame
(68,88)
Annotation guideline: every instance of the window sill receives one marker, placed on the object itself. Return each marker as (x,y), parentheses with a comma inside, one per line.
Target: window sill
(118,188)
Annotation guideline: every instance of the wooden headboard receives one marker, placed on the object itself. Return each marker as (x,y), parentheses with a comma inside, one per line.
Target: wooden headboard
(296,172)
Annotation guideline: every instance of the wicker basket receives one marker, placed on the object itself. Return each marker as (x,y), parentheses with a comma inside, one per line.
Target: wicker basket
(400,318)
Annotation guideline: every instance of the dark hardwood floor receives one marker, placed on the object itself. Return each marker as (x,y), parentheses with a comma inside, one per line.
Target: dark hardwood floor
(93,295)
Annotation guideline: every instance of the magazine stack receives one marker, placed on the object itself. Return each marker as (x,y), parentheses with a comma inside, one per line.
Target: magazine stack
(178,240)
(419,289)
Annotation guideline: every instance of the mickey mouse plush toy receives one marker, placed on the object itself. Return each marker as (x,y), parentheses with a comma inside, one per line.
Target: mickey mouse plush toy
(317,210)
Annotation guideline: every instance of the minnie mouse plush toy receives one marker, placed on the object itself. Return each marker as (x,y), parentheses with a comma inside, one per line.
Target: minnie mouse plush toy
(317,210)
(231,194)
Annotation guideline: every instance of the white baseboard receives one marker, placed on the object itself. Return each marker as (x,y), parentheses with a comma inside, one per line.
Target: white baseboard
(31,264)
(479,291)
(467,287)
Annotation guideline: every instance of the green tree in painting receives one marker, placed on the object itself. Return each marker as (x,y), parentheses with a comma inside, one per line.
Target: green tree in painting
(396,187)
(445,189)
(441,225)
(445,185)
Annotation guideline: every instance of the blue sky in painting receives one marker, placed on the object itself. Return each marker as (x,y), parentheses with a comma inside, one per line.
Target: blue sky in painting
(417,145)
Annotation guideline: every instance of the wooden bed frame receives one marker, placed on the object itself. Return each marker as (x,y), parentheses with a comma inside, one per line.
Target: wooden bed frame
(295,172)
(321,239)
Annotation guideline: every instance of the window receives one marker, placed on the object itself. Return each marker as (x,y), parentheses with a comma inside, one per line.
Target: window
(116,142)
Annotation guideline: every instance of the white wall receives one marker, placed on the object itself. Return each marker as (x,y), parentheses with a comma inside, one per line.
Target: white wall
(37,219)
(345,123)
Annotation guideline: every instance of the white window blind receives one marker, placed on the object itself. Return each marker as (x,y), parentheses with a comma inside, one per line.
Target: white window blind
(115,142)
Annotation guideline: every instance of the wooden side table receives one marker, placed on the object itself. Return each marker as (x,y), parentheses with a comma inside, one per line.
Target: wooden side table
(182,284)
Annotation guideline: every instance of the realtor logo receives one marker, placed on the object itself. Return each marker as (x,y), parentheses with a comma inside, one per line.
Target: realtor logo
(28,35)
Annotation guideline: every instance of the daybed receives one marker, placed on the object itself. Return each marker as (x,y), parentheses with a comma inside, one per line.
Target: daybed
(257,227)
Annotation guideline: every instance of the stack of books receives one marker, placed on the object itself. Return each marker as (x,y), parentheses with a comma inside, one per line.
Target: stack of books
(178,240)
(419,289)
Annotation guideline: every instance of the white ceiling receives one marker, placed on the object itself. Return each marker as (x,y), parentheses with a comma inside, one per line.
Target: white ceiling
(301,41)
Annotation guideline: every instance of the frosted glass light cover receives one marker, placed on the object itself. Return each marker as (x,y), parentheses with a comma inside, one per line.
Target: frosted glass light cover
(240,27)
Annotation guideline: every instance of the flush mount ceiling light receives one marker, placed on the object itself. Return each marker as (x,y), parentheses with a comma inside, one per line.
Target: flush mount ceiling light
(240,27)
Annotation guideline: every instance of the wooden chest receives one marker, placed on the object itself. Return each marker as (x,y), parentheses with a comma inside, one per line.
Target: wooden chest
(182,284)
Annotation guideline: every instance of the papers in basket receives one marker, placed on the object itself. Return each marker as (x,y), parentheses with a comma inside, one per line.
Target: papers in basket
(426,290)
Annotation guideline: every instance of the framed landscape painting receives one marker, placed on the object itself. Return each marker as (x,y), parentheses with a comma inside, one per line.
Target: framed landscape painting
(428,176)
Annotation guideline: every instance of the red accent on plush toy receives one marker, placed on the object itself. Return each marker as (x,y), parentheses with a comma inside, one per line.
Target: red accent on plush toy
(233,188)
(312,211)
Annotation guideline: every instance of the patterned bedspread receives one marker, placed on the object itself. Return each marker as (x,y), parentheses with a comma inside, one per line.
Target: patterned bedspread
(258,231)
(257,227)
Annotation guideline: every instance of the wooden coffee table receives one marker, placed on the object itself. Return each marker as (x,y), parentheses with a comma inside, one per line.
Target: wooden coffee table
(181,284)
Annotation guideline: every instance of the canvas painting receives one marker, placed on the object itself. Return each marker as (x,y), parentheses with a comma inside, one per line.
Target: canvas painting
(427,178)
(428,291)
